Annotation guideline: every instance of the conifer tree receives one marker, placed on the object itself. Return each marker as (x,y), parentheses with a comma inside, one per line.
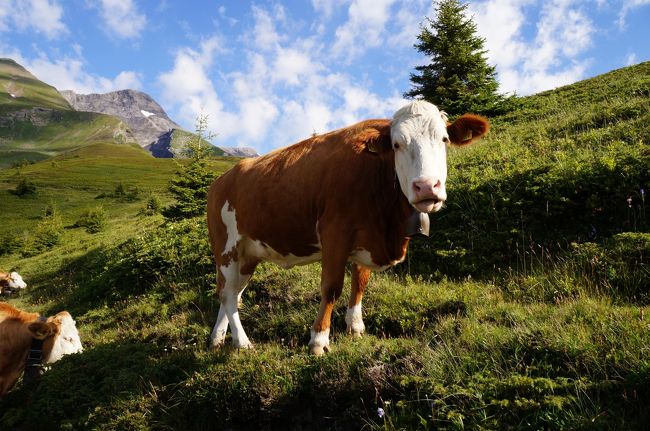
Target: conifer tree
(192,181)
(458,79)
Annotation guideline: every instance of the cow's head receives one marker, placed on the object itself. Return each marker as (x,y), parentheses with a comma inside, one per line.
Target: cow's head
(15,281)
(419,136)
(59,334)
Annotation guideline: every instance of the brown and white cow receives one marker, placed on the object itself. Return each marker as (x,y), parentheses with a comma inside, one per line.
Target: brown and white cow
(344,196)
(18,329)
(10,281)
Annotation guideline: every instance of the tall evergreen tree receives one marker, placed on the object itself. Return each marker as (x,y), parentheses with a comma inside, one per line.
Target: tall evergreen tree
(192,181)
(458,79)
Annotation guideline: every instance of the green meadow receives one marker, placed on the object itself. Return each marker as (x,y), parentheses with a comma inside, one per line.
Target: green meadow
(527,308)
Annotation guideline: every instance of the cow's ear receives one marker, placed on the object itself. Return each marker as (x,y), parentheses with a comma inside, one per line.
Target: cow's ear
(373,140)
(42,330)
(467,129)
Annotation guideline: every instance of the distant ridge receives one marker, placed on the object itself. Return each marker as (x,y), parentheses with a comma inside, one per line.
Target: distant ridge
(150,124)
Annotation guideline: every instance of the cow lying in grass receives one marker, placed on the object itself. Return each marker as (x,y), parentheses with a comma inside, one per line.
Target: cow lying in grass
(27,339)
(347,195)
(11,281)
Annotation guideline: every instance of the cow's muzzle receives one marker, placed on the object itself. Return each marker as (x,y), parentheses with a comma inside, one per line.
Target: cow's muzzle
(428,195)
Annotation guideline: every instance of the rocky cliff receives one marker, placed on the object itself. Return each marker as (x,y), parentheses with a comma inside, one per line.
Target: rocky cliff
(146,118)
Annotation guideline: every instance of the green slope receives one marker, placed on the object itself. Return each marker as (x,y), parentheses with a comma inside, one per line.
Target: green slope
(559,168)
(74,179)
(19,89)
(180,138)
(36,122)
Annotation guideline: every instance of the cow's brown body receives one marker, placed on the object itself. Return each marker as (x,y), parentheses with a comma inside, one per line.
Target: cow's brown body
(333,198)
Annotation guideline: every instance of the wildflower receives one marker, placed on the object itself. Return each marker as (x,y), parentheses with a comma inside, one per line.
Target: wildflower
(380,412)
(629,201)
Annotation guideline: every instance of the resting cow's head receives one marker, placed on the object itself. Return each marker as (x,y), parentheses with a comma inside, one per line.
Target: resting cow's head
(12,281)
(59,334)
(419,136)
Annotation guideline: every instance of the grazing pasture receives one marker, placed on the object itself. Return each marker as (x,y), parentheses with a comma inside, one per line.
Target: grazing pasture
(528,308)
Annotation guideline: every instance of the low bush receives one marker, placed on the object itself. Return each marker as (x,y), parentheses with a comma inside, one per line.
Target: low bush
(24,188)
(92,219)
(45,235)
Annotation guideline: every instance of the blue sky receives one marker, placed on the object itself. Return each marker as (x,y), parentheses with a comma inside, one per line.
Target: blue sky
(269,73)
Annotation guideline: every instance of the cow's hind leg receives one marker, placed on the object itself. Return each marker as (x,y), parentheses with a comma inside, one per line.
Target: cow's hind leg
(353,317)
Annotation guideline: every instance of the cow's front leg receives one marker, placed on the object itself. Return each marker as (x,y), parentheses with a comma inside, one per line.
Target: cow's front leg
(332,276)
(231,285)
(353,317)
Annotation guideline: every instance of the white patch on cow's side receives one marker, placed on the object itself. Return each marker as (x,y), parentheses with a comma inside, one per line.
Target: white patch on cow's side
(16,281)
(364,258)
(146,113)
(258,249)
(320,341)
(66,342)
(354,320)
(418,129)
(229,219)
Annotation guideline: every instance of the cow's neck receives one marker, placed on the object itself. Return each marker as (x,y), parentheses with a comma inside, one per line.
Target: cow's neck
(402,214)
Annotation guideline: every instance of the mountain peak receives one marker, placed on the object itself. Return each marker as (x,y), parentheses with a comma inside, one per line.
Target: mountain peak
(146,118)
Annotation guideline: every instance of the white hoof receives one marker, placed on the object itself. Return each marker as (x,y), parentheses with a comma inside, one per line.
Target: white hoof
(320,342)
(354,320)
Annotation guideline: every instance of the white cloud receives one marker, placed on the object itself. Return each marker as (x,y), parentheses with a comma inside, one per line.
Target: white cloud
(188,89)
(122,18)
(266,36)
(70,74)
(551,59)
(288,88)
(365,28)
(628,5)
(327,7)
(406,23)
(42,16)
(631,59)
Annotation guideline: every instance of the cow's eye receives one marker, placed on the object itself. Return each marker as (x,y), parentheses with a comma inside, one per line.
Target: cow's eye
(395,145)
(445,140)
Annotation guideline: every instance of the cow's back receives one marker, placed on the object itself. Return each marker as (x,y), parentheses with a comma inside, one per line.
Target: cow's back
(278,198)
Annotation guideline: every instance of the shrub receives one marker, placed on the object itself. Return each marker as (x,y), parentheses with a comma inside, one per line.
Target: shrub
(93,219)
(11,242)
(24,188)
(46,234)
(153,206)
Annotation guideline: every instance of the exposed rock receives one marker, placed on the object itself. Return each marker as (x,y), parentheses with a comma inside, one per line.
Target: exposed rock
(146,118)
(240,151)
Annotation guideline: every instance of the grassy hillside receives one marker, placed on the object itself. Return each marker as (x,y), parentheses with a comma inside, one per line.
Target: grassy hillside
(513,315)
(36,122)
(558,169)
(19,89)
(179,141)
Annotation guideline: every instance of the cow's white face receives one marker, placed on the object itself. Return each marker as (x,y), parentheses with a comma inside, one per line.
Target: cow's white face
(419,138)
(16,281)
(67,341)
